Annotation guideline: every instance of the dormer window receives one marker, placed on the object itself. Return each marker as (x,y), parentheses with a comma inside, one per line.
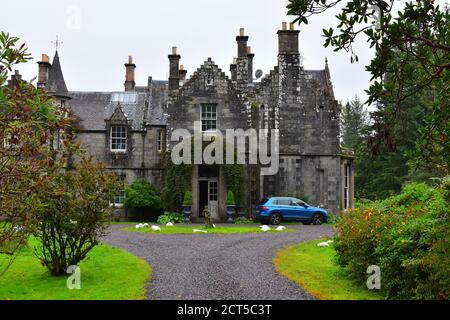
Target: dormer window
(118,139)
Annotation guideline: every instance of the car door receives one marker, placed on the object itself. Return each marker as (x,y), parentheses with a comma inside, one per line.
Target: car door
(290,210)
(301,210)
(283,206)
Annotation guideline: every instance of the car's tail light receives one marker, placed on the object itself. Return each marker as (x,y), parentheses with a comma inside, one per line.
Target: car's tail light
(262,208)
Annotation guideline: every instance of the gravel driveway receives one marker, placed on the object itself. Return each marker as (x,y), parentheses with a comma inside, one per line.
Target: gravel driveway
(230,266)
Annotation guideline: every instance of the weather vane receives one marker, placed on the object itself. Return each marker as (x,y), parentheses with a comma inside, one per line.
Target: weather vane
(57,43)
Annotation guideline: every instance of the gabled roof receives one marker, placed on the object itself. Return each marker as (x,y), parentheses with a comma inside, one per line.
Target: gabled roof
(55,83)
(93,108)
(118,115)
(198,78)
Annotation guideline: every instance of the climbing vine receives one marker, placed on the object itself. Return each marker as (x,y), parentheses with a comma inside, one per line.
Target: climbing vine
(178,181)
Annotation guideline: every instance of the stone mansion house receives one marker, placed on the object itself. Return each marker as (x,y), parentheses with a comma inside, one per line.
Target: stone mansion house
(130,130)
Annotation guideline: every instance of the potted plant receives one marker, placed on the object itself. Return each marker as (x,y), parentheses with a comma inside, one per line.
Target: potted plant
(187,206)
(231,206)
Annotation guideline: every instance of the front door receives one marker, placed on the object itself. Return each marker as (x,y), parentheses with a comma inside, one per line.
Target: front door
(212,198)
(203,198)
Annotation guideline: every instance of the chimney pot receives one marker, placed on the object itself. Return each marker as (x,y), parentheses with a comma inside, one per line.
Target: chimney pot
(181,67)
(234,60)
(130,60)
(292,26)
(174,50)
(284,26)
(249,50)
(242,32)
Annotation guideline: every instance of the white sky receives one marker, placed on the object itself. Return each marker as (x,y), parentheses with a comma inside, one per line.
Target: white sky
(93,54)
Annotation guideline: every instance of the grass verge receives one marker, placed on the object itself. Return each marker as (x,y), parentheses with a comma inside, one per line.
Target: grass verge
(314,269)
(108,274)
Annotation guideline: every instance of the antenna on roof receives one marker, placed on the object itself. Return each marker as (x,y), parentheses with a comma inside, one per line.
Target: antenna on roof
(57,42)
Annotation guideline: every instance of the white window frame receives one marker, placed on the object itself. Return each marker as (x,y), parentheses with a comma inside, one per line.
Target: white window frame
(208,114)
(121,196)
(111,138)
(346,186)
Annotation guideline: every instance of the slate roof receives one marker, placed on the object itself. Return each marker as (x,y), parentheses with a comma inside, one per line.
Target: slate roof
(322,78)
(93,108)
(55,82)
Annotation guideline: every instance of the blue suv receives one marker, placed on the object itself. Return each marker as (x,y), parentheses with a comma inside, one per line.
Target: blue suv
(274,210)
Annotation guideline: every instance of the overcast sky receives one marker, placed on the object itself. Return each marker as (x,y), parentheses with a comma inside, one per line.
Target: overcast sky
(99,35)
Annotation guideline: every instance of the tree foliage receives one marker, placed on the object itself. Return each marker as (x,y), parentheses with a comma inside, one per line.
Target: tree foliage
(70,212)
(40,193)
(412,47)
(354,121)
(27,122)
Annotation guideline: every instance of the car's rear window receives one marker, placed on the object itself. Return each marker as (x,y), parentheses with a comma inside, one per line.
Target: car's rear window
(263,201)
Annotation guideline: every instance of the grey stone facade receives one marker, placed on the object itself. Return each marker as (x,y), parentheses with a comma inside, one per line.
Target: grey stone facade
(299,103)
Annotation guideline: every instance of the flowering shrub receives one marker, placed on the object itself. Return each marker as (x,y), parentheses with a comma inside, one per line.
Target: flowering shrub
(407,236)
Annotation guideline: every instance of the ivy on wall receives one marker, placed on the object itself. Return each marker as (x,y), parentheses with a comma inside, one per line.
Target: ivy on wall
(178,180)
(235,178)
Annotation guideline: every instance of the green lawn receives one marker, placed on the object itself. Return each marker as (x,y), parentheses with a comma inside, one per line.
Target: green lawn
(187,229)
(314,269)
(108,273)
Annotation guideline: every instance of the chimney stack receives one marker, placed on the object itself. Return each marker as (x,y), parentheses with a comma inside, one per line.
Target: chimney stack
(174,72)
(44,68)
(250,57)
(130,67)
(288,39)
(233,69)
(183,73)
(16,78)
(242,43)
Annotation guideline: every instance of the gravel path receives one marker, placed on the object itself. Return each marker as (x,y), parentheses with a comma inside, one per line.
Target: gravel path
(230,266)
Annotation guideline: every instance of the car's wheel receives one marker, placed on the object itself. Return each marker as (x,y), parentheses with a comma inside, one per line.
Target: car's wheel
(317,219)
(275,218)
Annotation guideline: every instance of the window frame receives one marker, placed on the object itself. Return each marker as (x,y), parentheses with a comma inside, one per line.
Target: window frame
(112,138)
(346,186)
(159,140)
(210,118)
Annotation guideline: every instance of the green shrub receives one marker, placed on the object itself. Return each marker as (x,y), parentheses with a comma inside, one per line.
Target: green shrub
(243,220)
(141,194)
(407,236)
(230,199)
(173,217)
(187,201)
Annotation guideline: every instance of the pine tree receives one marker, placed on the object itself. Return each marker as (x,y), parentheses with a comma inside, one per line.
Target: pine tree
(354,120)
